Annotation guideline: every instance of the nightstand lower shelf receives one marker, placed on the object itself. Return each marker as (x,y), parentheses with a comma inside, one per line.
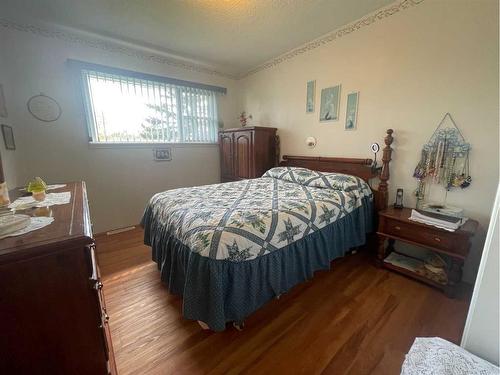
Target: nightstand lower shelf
(448,289)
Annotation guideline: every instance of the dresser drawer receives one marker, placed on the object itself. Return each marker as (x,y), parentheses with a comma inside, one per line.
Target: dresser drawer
(97,286)
(424,235)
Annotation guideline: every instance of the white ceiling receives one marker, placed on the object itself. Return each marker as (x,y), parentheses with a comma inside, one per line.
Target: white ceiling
(233,36)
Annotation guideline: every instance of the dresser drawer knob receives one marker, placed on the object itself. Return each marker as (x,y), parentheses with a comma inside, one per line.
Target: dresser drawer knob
(105,319)
(98,285)
(437,239)
(397,227)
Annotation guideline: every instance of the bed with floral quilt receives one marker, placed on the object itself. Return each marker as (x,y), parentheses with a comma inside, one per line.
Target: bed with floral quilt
(229,248)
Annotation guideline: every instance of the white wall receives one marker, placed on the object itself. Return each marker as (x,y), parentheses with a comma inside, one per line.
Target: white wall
(482,331)
(410,68)
(119,180)
(9,157)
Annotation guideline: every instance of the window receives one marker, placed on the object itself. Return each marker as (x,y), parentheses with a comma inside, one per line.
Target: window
(129,107)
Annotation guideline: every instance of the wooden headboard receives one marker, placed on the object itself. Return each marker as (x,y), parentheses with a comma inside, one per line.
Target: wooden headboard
(361,168)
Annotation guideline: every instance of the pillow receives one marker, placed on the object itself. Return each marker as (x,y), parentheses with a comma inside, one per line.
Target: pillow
(324,180)
(293,174)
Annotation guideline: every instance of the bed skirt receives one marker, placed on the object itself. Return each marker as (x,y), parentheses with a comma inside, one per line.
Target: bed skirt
(219,291)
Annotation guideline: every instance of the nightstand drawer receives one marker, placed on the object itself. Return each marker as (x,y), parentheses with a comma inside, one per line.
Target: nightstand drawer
(420,234)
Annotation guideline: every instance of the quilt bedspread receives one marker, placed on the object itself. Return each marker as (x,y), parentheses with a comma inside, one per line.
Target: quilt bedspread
(240,221)
(229,248)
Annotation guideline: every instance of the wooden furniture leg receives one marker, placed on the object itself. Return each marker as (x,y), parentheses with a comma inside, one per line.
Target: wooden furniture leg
(390,246)
(380,251)
(454,276)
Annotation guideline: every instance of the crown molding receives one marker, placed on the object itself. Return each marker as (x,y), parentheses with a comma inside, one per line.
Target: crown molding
(334,35)
(111,45)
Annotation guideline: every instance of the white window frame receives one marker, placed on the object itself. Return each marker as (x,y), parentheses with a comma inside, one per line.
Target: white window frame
(180,87)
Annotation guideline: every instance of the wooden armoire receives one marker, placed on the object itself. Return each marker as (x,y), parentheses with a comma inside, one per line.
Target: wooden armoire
(247,152)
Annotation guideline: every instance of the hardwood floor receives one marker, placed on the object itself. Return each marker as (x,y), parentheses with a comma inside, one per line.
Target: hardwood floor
(354,319)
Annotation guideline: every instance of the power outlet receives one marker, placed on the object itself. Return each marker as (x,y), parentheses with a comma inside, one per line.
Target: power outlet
(162,154)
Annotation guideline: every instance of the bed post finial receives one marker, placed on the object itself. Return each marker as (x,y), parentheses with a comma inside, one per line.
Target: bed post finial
(383,198)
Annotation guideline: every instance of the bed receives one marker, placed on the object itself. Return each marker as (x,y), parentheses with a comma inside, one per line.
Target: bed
(229,248)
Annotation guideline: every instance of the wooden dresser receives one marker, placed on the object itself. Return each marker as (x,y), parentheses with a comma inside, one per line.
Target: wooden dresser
(247,152)
(52,313)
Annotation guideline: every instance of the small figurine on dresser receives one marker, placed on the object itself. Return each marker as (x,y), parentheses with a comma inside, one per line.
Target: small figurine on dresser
(37,188)
(41,196)
(244,118)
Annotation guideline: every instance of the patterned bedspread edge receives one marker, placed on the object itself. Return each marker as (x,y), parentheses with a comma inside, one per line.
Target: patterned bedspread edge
(219,291)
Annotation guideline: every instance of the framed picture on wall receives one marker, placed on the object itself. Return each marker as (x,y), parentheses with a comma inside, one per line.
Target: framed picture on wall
(351,116)
(3,105)
(311,89)
(8,137)
(330,102)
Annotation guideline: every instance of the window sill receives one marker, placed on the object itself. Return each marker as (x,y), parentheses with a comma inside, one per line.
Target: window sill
(95,145)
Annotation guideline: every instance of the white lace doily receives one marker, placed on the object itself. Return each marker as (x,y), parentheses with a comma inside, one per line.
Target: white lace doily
(51,199)
(35,224)
(55,186)
(435,356)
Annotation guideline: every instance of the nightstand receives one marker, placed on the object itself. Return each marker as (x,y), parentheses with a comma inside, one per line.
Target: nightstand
(394,224)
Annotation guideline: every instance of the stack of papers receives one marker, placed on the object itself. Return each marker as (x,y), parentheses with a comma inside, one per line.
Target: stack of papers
(403,261)
(440,221)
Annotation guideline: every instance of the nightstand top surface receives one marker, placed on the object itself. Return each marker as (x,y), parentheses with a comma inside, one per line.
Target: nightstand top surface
(403,214)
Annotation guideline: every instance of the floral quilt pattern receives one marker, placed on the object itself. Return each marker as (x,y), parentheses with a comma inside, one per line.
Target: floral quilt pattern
(240,221)
(327,180)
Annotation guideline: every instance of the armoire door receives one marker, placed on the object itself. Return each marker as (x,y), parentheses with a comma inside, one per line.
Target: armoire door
(226,156)
(243,161)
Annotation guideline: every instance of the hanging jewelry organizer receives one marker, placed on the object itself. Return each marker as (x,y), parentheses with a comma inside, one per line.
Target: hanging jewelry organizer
(444,161)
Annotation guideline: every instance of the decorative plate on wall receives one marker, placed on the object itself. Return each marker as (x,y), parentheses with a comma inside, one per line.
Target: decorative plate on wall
(44,108)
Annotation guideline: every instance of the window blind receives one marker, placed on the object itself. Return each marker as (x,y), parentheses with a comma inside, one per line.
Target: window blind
(129,109)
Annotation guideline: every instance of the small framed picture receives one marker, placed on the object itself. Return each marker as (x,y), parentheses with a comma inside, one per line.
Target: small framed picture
(162,154)
(351,116)
(8,137)
(330,102)
(311,91)
(3,105)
